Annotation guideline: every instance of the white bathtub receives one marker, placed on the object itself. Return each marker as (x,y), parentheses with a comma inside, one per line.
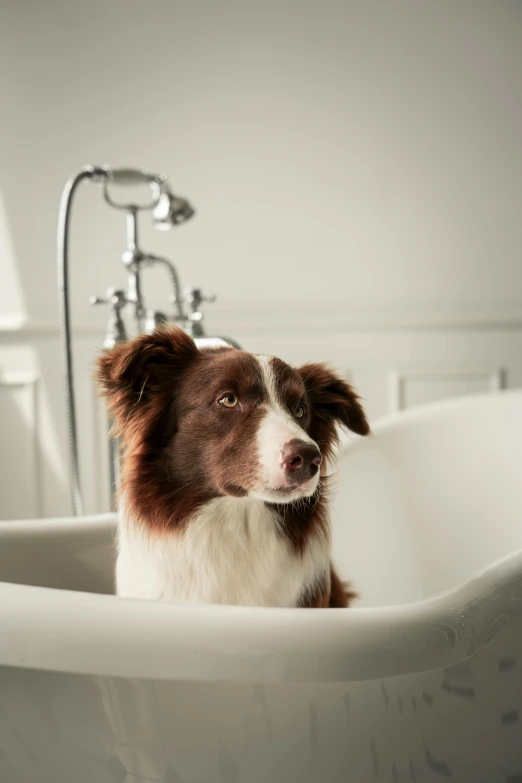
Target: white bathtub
(422,683)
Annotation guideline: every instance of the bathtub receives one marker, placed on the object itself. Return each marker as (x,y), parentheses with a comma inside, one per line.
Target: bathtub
(421,682)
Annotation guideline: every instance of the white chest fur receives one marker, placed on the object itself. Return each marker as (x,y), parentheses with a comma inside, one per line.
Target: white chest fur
(230,553)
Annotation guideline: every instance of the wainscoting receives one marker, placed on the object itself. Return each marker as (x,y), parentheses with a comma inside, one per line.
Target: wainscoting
(395,358)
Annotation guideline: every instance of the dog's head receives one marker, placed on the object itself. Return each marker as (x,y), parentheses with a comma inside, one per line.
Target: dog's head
(223,421)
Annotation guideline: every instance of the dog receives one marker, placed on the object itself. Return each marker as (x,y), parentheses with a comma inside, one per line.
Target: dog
(223,495)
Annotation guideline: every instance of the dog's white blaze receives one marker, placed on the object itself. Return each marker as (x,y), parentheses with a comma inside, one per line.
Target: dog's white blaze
(231,552)
(275,430)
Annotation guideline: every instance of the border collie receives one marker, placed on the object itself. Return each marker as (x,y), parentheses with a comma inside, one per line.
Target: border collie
(223,495)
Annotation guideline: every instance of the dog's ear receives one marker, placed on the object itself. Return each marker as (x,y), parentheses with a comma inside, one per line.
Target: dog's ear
(140,374)
(332,400)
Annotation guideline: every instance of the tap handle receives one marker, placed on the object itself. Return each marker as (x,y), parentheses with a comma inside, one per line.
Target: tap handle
(195,296)
(116,332)
(114,297)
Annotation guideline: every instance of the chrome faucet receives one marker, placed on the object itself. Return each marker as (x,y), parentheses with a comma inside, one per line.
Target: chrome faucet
(167,210)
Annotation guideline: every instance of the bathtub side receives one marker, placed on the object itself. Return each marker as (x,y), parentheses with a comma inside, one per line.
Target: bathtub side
(459,723)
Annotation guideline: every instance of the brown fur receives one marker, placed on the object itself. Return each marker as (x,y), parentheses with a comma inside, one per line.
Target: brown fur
(334,595)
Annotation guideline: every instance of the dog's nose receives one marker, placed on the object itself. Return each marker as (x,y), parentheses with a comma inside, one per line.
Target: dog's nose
(300,460)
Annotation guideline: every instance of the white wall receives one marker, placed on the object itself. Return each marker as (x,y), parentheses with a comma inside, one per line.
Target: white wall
(357,173)
(337,152)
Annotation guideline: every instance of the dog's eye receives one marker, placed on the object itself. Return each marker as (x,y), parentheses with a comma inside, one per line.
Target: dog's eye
(300,411)
(228,401)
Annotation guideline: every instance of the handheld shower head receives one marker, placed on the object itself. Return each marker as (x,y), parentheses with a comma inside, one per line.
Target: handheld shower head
(171,210)
(134,179)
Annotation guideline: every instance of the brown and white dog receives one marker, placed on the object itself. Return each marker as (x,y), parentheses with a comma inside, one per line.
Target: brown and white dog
(223,488)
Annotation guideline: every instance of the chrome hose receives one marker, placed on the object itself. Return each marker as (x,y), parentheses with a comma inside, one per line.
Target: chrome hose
(88,172)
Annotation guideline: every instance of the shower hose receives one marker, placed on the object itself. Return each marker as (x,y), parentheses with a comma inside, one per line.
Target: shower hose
(88,172)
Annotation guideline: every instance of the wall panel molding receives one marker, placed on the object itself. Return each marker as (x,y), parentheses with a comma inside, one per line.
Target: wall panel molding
(494,380)
(29,381)
(293,318)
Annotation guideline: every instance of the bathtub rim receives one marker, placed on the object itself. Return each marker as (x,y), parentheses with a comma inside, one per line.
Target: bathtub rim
(84,633)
